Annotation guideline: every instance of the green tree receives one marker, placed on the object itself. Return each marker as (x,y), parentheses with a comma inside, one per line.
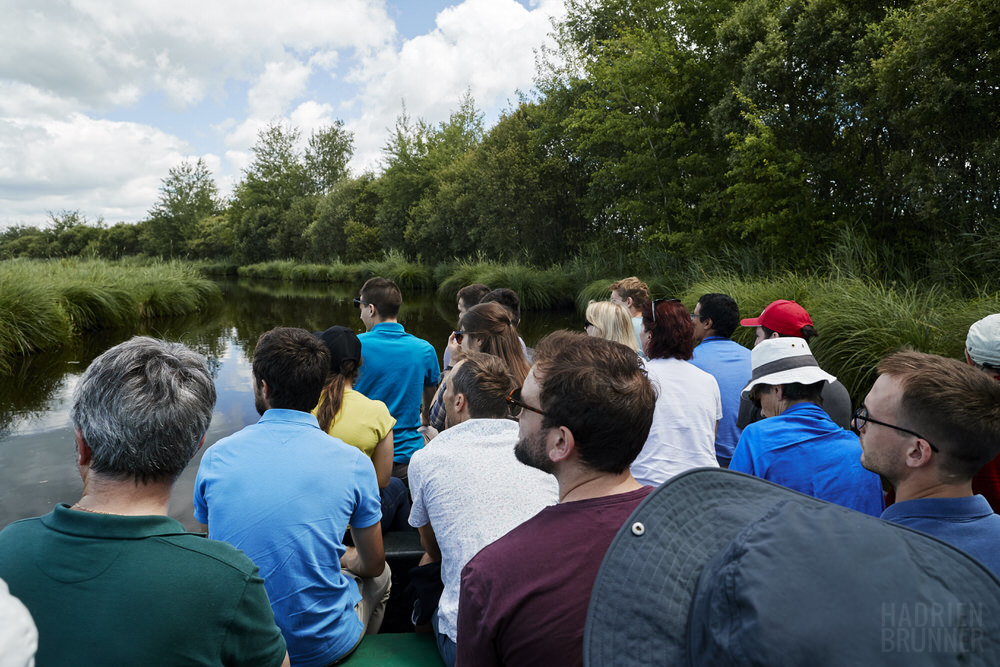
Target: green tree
(351,199)
(188,194)
(326,157)
(275,178)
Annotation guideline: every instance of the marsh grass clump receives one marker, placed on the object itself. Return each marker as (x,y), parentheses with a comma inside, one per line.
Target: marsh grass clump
(537,289)
(43,304)
(408,275)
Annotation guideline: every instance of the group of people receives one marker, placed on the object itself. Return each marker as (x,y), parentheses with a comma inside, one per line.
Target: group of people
(518,472)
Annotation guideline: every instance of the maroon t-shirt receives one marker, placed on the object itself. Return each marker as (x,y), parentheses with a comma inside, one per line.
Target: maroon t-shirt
(987,483)
(524,598)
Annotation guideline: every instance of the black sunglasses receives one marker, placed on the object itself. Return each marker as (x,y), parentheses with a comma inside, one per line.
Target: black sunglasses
(358,303)
(860,418)
(458,336)
(657,302)
(515,404)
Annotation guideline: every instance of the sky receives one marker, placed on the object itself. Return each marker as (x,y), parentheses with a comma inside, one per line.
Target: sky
(99,99)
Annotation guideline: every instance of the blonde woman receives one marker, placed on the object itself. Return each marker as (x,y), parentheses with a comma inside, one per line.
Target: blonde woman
(611,321)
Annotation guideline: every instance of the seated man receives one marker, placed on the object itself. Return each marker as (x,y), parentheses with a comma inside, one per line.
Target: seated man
(284,492)
(798,445)
(468,487)
(400,369)
(112,580)
(715,318)
(982,350)
(523,599)
(787,319)
(927,426)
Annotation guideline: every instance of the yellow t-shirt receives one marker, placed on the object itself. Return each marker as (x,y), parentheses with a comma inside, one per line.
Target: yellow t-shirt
(361,421)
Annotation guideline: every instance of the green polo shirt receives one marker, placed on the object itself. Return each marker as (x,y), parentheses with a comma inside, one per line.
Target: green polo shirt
(136,590)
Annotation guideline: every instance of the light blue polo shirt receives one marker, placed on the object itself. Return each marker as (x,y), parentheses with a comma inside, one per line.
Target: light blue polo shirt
(729,363)
(284,492)
(966,523)
(395,368)
(802,449)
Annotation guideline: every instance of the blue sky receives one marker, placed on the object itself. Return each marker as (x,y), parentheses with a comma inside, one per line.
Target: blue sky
(99,99)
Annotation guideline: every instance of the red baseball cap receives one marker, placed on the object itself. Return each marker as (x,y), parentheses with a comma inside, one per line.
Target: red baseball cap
(785,317)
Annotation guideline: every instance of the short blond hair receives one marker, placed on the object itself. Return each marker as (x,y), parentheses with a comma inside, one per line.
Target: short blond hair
(632,288)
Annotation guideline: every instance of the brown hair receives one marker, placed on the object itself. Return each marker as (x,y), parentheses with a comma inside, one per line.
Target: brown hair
(495,327)
(384,295)
(294,363)
(484,380)
(633,288)
(333,392)
(955,406)
(472,294)
(672,333)
(599,390)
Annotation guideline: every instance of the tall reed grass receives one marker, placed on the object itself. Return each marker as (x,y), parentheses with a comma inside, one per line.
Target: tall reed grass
(43,304)
(859,321)
(537,289)
(408,275)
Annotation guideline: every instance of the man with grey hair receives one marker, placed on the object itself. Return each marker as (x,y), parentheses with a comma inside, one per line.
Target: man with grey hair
(111,579)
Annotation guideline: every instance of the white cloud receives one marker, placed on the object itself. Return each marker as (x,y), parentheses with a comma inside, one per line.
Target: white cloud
(485,46)
(100,98)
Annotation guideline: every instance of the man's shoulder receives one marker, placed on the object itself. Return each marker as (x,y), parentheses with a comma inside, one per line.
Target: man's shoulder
(209,554)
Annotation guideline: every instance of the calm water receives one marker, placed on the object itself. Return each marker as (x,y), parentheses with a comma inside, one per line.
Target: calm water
(37,461)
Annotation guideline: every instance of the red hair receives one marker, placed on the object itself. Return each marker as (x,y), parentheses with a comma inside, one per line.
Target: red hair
(672,334)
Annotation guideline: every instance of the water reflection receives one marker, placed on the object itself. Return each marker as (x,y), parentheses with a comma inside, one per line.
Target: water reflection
(37,464)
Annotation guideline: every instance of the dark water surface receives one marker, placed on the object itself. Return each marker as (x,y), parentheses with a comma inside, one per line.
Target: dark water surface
(37,456)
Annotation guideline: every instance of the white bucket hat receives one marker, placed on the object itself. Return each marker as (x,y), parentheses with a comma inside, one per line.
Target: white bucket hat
(783,361)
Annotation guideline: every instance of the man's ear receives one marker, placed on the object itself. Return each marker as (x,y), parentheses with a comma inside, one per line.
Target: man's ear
(561,444)
(918,454)
(780,390)
(460,403)
(83,452)
(968,359)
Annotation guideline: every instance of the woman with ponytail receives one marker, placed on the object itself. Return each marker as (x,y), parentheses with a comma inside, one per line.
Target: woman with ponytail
(360,421)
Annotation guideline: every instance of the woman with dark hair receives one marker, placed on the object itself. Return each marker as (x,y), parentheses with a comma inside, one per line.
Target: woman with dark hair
(360,421)
(688,404)
(489,328)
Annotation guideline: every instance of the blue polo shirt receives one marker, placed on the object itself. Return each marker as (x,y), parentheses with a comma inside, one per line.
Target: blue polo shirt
(966,523)
(284,492)
(395,368)
(729,363)
(802,449)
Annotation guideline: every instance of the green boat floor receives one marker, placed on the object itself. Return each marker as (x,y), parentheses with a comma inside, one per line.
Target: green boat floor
(404,648)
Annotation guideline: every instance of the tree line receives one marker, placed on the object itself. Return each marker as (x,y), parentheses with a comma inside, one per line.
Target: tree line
(783,128)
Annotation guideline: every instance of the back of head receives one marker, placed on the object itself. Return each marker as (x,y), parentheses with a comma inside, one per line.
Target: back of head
(632,288)
(671,331)
(598,390)
(506,298)
(143,407)
(955,406)
(384,295)
(294,364)
(345,363)
(613,322)
(484,380)
(983,344)
(494,326)
(472,294)
(722,310)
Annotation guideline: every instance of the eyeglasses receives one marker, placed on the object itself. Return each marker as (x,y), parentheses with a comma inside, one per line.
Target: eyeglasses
(458,336)
(358,303)
(657,302)
(860,418)
(515,404)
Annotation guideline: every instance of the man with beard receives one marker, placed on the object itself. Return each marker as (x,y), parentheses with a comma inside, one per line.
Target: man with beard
(284,492)
(584,414)
(468,488)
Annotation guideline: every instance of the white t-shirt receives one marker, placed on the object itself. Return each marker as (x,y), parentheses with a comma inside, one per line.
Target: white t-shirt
(688,406)
(18,636)
(468,485)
